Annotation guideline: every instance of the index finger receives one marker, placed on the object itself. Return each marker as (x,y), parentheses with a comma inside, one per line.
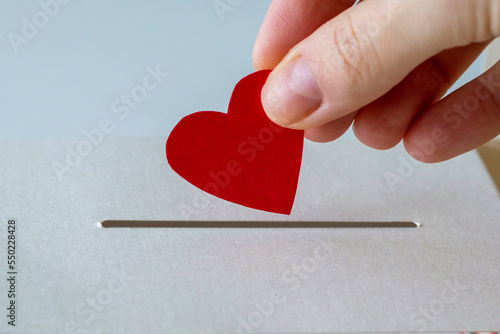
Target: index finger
(288,22)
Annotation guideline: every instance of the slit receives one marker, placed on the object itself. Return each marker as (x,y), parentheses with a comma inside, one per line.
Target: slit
(252,224)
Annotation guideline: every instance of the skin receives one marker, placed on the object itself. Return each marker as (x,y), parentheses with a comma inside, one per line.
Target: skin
(383,66)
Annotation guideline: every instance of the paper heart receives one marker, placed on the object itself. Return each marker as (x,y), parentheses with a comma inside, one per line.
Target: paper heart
(241,156)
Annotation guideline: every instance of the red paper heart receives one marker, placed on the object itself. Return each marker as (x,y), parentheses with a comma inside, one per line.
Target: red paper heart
(240,156)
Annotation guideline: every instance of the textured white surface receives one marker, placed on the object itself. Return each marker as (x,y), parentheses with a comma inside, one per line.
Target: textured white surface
(206,281)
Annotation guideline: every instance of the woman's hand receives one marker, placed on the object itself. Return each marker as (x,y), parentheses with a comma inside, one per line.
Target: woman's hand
(384,65)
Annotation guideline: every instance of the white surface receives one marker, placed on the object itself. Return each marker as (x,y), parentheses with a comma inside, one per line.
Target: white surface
(202,281)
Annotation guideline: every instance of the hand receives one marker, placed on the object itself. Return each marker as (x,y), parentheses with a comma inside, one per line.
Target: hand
(384,65)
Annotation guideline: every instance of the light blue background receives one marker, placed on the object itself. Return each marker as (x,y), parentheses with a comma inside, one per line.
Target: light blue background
(65,78)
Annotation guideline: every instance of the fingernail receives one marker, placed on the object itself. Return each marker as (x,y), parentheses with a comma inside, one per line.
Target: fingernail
(291,94)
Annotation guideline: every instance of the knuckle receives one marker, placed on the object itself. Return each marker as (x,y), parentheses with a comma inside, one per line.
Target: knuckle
(487,106)
(480,20)
(492,108)
(347,46)
(352,55)
(485,16)
(439,78)
(494,17)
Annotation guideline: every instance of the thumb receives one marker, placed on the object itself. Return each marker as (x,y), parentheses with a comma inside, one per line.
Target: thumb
(365,51)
